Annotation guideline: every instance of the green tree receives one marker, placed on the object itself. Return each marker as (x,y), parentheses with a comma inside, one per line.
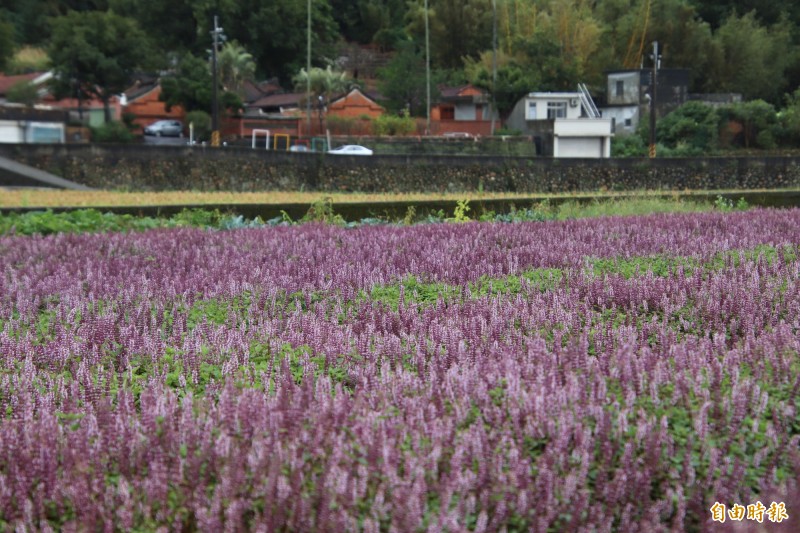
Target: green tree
(758,118)
(514,79)
(201,124)
(23,93)
(173,25)
(275,33)
(458,29)
(97,50)
(6,43)
(789,119)
(630,26)
(694,126)
(554,70)
(402,81)
(29,17)
(370,21)
(191,87)
(751,59)
(323,81)
(715,12)
(236,66)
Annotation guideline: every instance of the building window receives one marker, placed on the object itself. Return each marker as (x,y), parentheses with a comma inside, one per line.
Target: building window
(556,110)
(448,113)
(620,88)
(628,123)
(531,115)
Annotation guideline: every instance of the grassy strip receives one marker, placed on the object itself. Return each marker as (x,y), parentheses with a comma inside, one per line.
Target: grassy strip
(14,198)
(92,221)
(63,198)
(323,210)
(665,266)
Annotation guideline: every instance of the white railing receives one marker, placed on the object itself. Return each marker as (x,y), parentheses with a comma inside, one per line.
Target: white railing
(588,103)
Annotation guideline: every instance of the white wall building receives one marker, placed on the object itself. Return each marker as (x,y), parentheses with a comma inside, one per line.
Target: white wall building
(563,124)
(19,124)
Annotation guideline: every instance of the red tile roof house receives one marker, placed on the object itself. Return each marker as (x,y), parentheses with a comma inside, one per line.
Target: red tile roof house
(286,113)
(142,102)
(37,78)
(352,113)
(466,109)
(279,113)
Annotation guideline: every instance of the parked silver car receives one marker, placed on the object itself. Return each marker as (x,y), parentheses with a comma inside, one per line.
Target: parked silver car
(165,128)
(351,149)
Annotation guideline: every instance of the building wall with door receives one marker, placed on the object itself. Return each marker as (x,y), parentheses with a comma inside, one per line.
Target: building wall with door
(626,89)
(624,118)
(623,88)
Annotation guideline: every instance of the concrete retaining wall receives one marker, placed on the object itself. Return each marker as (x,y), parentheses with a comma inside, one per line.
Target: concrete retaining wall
(141,168)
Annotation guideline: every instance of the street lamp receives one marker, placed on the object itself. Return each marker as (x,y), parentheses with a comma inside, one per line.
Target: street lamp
(308,68)
(427,73)
(321,103)
(494,61)
(653,85)
(217,36)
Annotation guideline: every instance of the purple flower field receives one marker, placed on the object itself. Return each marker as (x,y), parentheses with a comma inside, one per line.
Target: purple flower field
(615,374)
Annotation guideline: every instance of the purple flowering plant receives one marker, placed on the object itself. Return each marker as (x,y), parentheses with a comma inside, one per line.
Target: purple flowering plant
(610,374)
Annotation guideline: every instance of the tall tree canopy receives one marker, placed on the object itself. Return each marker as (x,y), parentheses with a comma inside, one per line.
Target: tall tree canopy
(96,52)
(191,86)
(752,59)
(458,28)
(6,43)
(236,66)
(275,33)
(747,46)
(30,16)
(370,21)
(403,80)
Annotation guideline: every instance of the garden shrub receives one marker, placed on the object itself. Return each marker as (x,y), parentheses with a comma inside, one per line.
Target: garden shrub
(112,132)
(693,129)
(394,125)
(202,124)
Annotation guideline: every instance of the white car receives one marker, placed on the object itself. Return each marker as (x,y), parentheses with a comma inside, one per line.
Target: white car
(167,128)
(351,149)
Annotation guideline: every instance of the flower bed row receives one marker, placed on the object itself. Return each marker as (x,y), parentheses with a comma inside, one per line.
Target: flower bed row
(606,374)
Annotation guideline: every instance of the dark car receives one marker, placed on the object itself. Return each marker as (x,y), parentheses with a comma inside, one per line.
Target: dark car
(165,128)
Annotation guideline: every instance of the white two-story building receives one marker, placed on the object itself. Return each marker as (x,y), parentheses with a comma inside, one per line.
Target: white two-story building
(563,124)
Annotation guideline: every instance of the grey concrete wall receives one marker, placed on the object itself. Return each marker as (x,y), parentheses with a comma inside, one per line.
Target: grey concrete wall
(141,168)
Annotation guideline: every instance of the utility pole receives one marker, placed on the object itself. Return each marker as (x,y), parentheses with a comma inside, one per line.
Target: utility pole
(216,33)
(494,61)
(427,73)
(653,89)
(308,71)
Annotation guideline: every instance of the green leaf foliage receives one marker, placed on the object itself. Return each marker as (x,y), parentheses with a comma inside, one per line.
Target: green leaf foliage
(112,132)
(694,125)
(96,51)
(7,43)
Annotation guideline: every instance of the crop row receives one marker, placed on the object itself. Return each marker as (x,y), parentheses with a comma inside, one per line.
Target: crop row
(606,374)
